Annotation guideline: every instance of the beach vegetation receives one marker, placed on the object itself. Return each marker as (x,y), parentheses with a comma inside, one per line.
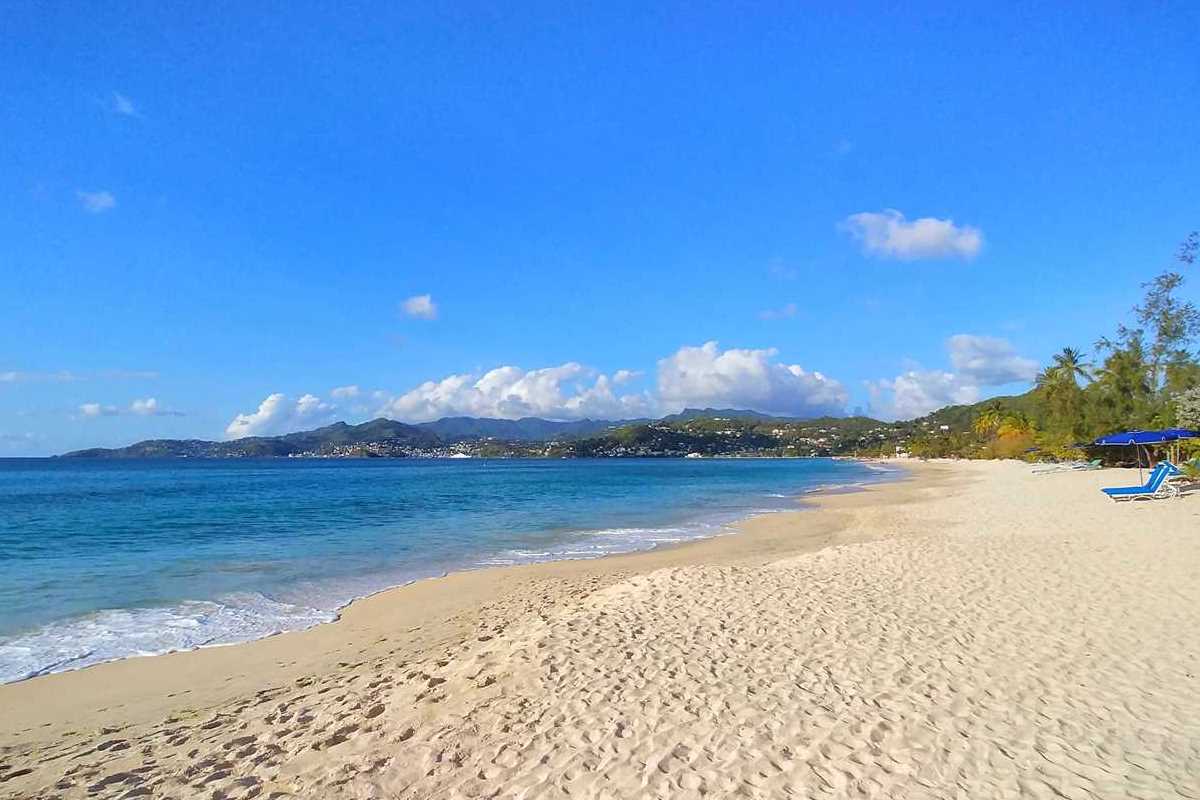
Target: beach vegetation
(989,418)
(1187,408)
(1144,375)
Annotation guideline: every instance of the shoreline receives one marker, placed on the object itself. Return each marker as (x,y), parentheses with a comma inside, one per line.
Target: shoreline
(716,526)
(481,583)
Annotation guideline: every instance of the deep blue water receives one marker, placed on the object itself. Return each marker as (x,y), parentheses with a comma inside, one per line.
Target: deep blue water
(108,559)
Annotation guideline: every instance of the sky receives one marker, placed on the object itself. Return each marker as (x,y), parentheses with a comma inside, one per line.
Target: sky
(232,221)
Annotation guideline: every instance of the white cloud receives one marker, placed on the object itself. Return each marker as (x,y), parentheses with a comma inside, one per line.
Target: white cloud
(978,362)
(700,377)
(917,392)
(420,306)
(276,414)
(887,234)
(145,408)
(149,407)
(16,376)
(120,104)
(66,376)
(693,376)
(785,312)
(96,202)
(127,374)
(989,361)
(96,410)
(509,392)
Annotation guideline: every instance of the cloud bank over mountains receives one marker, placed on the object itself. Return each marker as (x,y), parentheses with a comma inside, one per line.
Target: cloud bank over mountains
(977,362)
(278,414)
(694,376)
(568,391)
(703,376)
(706,376)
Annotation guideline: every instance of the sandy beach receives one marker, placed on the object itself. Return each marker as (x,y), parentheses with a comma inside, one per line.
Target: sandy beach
(974,631)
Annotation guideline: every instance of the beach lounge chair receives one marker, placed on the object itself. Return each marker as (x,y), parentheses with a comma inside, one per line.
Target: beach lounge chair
(1183,482)
(1157,486)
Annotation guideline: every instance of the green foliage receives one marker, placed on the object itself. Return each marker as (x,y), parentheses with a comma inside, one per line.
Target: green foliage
(989,418)
(1058,447)
(1059,390)
(1191,469)
(1171,322)
(1187,408)
(1011,445)
(955,445)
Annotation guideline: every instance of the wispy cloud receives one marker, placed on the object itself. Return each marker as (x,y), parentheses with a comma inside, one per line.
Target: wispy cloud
(344,392)
(17,376)
(93,410)
(19,441)
(783,312)
(149,407)
(125,374)
(141,407)
(989,360)
(122,105)
(420,306)
(887,234)
(67,376)
(96,202)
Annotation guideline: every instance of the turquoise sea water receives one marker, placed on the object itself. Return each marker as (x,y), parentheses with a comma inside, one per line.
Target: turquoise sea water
(109,559)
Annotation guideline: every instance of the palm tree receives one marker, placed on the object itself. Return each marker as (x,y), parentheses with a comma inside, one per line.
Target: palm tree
(989,419)
(1069,365)
(1058,385)
(1014,424)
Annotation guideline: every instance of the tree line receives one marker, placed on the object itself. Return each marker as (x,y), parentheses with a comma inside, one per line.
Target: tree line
(1145,375)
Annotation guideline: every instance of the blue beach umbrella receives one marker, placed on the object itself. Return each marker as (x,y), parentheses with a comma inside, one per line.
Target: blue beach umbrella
(1141,439)
(1137,438)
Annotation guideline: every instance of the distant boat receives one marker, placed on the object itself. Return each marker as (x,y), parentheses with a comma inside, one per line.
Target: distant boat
(459,455)
(695,455)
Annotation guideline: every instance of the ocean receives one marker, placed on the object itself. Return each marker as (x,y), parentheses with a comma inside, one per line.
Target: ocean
(101,560)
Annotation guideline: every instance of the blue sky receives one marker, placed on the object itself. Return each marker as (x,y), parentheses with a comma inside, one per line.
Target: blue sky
(219,215)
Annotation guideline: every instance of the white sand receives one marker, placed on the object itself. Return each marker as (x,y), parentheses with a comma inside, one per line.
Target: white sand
(977,633)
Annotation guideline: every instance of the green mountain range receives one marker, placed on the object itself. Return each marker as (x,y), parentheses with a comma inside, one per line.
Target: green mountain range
(705,431)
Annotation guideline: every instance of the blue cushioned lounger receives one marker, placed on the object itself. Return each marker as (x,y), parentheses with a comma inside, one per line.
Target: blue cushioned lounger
(1154,487)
